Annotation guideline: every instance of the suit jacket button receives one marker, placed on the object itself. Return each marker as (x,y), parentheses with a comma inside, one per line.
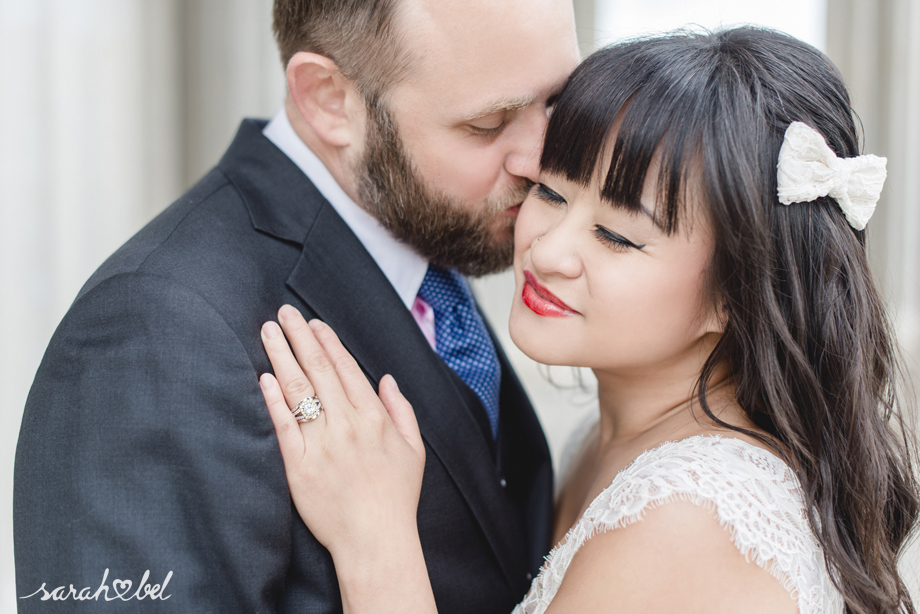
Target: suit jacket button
(503,482)
(529,577)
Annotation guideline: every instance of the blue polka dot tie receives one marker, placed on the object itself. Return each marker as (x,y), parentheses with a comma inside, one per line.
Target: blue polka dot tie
(461,337)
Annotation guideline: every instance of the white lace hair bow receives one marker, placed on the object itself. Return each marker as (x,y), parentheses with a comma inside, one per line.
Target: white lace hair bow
(808,169)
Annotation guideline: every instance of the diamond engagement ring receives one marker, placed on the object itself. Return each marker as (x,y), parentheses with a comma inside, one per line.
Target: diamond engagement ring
(308,409)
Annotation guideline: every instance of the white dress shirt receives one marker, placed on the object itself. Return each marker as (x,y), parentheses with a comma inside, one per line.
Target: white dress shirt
(402,265)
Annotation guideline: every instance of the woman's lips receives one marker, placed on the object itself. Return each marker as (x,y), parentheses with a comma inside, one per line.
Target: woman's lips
(541,301)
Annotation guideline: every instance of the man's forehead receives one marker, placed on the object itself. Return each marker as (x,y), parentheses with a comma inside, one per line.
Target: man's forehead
(485,56)
(459,29)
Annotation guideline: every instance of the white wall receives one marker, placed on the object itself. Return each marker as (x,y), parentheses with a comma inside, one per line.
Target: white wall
(618,19)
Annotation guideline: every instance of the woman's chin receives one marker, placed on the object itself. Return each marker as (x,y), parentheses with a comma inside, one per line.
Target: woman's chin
(534,341)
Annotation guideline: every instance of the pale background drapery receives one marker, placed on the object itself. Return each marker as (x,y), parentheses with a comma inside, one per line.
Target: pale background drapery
(109,109)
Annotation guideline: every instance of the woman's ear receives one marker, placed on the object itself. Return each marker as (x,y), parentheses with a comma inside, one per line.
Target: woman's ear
(328,102)
(716,317)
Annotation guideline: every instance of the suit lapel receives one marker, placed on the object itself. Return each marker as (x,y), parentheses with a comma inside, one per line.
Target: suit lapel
(341,283)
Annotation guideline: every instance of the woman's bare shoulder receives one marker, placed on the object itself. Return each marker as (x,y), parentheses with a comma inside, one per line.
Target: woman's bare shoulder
(676,558)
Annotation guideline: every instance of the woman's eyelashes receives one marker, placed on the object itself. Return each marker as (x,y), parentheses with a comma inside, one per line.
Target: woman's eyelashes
(607,237)
(549,196)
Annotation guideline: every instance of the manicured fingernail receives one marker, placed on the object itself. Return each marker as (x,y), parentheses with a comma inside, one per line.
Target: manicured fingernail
(316,324)
(270,329)
(263,381)
(395,385)
(286,312)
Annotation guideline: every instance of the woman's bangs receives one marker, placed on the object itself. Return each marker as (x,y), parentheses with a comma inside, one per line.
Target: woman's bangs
(654,111)
(651,132)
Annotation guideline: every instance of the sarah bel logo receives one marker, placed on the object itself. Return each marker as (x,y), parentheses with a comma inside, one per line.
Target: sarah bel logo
(120,589)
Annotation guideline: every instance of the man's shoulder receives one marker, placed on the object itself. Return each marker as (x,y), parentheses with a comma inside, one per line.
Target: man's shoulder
(204,239)
(156,234)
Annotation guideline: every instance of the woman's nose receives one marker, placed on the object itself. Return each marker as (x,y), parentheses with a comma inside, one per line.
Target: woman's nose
(556,252)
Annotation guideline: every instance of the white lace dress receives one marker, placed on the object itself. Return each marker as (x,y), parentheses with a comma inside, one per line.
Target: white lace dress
(753,493)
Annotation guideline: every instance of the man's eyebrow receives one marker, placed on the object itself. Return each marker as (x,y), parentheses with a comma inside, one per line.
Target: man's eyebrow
(500,106)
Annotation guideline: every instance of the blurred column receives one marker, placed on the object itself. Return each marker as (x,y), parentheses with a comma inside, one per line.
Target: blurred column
(231,70)
(585,12)
(876,44)
(90,150)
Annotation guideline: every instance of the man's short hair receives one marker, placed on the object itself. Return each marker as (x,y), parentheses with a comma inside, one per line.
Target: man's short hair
(361,36)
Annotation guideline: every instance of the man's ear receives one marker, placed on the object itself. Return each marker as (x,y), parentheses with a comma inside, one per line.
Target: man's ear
(328,102)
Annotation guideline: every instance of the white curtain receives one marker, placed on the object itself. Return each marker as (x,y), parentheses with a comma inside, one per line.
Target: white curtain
(876,44)
(85,157)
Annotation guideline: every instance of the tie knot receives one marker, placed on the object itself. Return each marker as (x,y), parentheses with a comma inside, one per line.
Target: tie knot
(444,289)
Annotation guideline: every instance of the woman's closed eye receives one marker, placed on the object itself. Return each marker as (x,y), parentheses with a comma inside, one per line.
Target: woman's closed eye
(547,195)
(606,236)
(619,242)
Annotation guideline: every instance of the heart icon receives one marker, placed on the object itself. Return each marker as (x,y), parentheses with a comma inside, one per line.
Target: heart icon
(119,592)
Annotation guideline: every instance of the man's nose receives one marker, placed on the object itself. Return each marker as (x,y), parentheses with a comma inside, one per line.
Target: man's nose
(523,160)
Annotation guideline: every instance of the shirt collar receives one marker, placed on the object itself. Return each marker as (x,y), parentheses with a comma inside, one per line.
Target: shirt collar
(403,266)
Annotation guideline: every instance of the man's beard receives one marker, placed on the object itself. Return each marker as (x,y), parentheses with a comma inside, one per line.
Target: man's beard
(437,225)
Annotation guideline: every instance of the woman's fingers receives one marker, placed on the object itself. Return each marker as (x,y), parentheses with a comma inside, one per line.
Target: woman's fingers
(402,414)
(294,384)
(313,360)
(359,390)
(290,438)
(353,466)
(321,363)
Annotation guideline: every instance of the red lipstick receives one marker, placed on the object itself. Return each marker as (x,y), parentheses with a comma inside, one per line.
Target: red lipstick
(541,301)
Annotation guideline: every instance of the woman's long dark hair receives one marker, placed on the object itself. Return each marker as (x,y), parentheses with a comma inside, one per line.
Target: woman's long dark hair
(806,335)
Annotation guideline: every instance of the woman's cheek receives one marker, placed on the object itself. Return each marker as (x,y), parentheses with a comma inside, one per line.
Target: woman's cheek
(528,224)
(522,226)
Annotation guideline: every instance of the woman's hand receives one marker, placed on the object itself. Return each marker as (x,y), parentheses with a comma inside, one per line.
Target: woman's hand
(355,472)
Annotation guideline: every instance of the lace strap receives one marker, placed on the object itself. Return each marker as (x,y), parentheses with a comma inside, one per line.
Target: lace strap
(754,495)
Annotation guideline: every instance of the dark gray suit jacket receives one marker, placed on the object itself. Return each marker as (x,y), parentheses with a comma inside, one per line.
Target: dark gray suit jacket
(146,444)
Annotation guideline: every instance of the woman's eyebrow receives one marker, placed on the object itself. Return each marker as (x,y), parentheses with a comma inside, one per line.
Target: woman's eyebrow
(651,216)
(641,208)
